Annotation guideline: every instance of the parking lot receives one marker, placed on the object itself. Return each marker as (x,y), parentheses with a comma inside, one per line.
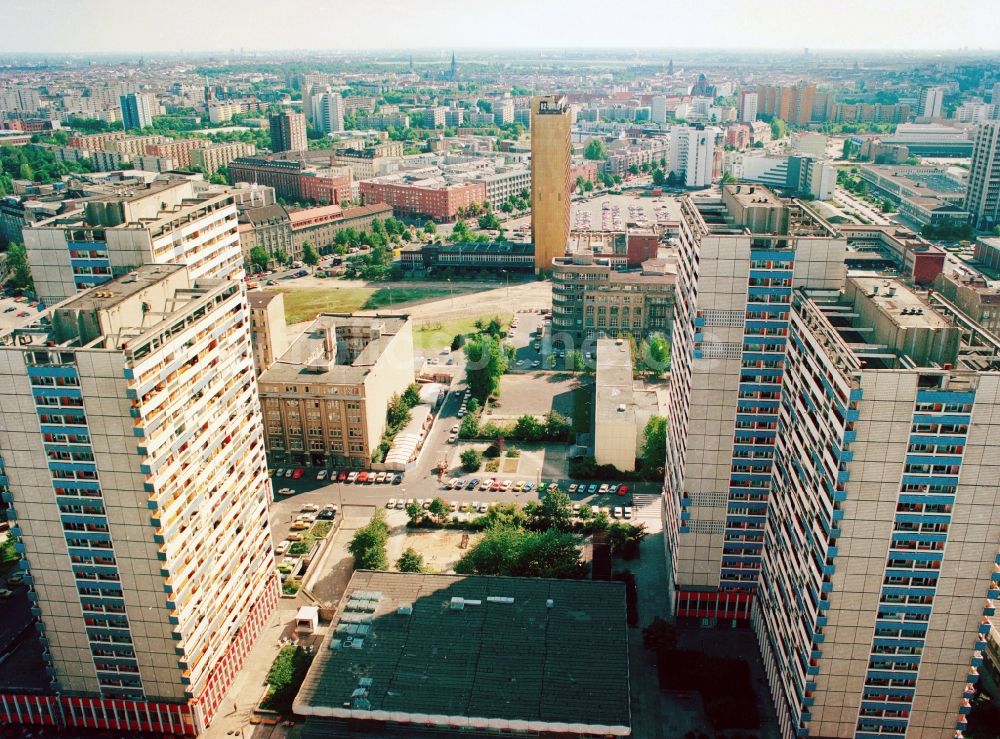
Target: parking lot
(13,311)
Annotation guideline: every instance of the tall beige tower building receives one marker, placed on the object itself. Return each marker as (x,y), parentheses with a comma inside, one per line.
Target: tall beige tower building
(550,159)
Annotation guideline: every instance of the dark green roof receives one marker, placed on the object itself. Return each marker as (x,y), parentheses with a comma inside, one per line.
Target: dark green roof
(496,659)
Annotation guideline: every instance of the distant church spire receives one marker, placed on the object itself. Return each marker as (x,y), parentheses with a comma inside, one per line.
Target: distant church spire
(454,67)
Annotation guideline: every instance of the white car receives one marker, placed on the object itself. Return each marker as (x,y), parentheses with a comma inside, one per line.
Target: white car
(461,412)
(455,429)
(453,439)
(485,484)
(285,491)
(309,508)
(483,507)
(475,505)
(379,478)
(352,477)
(627,512)
(391,503)
(603,489)
(617,512)
(321,475)
(282,547)
(400,504)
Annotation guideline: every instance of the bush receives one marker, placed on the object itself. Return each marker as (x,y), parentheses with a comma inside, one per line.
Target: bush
(513,452)
(492,466)
(471,460)
(492,451)
(410,561)
(284,679)
(458,342)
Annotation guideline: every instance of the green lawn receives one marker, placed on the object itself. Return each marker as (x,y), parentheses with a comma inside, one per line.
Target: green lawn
(306,303)
(436,335)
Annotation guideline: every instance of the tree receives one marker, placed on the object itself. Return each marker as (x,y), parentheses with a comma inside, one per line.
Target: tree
(259,259)
(17,267)
(588,186)
(411,396)
(511,551)
(414,511)
(529,428)
(430,227)
(281,256)
(486,361)
(654,444)
(655,354)
(438,508)
(659,179)
(458,342)
(489,221)
(727,177)
(633,169)
(779,129)
(309,254)
(595,151)
(471,460)
(410,561)
(368,546)
(555,511)
(460,233)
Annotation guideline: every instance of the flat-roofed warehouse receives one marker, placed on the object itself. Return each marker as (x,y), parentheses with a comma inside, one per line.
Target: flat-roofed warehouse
(452,654)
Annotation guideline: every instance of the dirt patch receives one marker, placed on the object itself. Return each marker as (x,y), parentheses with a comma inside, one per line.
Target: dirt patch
(440,549)
(510,464)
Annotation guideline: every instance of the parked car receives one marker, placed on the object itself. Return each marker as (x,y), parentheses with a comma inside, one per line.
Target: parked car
(617,512)
(461,412)
(507,485)
(529,486)
(288,472)
(485,484)
(496,485)
(572,487)
(352,477)
(280,472)
(298,473)
(294,536)
(576,508)
(455,429)
(362,477)
(379,478)
(300,525)
(426,504)
(400,504)
(472,484)
(475,505)
(518,486)
(622,489)
(321,475)
(454,506)
(483,507)
(453,439)
(310,508)
(595,509)
(627,512)
(391,503)
(285,491)
(603,489)
(343,475)
(282,547)
(592,489)
(613,488)
(397,480)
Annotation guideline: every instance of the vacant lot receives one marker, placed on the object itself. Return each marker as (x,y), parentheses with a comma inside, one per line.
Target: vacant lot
(431,334)
(304,304)
(440,549)
(535,393)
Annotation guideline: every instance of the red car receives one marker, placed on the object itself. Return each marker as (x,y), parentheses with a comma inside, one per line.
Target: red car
(298,473)
(622,489)
(496,485)
(342,476)
(362,477)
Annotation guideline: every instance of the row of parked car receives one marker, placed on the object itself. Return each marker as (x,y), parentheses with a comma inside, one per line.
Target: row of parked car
(348,476)
(472,483)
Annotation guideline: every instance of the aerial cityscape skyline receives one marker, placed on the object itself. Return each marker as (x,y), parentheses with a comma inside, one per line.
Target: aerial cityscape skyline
(390,370)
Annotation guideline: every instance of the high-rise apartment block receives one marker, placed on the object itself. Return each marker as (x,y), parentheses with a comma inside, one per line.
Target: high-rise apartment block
(931,101)
(748,106)
(288,132)
(136,111)
(550,185)
(879,564)
(212,158)
(165,222)
(793,104)
(658,109)
(692,154)
(739,261)
(982,199)
(135,473)
(327,111)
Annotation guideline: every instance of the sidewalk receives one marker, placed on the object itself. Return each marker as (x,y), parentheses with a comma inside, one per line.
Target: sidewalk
(242,696)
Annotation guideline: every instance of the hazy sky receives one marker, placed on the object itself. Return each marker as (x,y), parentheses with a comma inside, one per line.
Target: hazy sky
(217,25)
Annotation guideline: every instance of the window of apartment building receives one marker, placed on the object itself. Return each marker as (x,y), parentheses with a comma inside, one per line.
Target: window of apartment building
(353,405)
(357,447)
(316,446)
(295,444)
(354,433)
(277,442)
(315,432)
(291,389)
(337,446)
